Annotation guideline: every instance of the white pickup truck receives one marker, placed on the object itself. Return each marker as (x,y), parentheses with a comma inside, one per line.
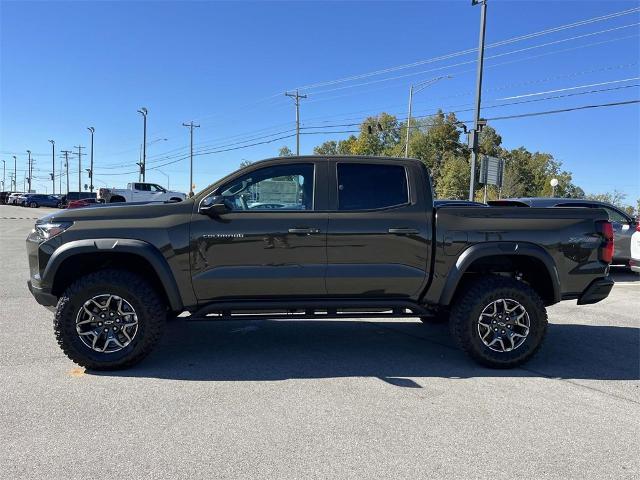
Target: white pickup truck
(139,192)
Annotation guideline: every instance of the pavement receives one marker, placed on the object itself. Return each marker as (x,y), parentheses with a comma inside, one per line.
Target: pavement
(340,399)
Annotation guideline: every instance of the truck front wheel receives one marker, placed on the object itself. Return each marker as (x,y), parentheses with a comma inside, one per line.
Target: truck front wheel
(108,320)
(500,322)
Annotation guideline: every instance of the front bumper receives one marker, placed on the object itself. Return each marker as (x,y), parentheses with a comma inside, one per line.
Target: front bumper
(42,297)
(597,290)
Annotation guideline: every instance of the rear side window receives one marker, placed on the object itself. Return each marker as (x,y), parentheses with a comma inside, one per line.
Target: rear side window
(371,186)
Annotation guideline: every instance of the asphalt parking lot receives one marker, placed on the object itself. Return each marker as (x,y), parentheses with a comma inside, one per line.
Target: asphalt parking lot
(306,399)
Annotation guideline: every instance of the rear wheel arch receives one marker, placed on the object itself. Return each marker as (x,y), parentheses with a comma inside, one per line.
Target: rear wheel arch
(82,257)
(117,199)
(527,262)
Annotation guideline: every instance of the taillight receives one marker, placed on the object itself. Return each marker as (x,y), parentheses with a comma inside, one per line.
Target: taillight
(605,252)
(638,227)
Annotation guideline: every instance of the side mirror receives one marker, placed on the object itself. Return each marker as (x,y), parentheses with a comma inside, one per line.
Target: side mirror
(215,206)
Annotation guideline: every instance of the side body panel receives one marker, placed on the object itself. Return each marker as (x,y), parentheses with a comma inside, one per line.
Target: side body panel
(257,254)
(565,240)
(380,253)
(165,227)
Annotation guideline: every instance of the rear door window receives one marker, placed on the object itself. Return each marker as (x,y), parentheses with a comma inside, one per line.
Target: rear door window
(371,186)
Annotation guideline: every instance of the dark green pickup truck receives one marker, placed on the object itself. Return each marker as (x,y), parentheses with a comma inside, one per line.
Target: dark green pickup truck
(315,237)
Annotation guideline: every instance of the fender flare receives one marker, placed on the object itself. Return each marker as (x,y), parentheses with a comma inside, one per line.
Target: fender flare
(488,249)
(117,245)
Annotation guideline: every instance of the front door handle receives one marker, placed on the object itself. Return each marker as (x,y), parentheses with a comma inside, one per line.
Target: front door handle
(303,231)
(403,231)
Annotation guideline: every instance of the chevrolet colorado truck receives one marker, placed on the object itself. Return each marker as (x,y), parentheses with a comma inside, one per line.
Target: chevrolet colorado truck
(139,192)
(352,237)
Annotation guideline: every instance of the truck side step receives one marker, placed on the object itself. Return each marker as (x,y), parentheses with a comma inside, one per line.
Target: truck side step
(273,310)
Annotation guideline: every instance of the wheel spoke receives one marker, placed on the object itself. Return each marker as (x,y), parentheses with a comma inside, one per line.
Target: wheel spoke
(110,306)
(503,325)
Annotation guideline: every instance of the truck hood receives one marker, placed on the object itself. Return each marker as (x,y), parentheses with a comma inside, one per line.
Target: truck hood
(113,211)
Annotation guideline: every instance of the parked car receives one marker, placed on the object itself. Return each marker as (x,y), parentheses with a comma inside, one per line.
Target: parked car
(634,263)
(140,192)
(20,199)
(82,203)
(623,225)
(13,197)
(71,196)
(361,239)
(4,196)
(36,200)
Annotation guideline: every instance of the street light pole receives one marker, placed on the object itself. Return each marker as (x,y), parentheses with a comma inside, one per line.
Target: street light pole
(415,89)
(92,130)
(4,173)
(476,119)
(53,166)
(143,111)
(191,126)
(406,147)
(15,173)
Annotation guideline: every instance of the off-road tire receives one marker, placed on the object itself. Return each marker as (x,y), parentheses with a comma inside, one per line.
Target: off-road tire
(471,302)
(149,307)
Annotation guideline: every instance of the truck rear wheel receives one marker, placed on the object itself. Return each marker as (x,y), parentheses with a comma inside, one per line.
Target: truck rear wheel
(109,320)
(500,322)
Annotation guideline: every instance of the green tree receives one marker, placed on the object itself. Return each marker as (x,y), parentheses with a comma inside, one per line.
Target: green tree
(454,178)
(436,140)
(331,147)
(285,152)
(614,198)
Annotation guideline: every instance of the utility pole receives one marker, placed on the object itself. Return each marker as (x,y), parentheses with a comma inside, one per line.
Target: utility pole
(15,173)
(92,130)
(79,147)
(4,173)
(191,126)
(296,98)
(476,120)
(66,165)
(29,170)
(143,111)
(53,166)
(415,89)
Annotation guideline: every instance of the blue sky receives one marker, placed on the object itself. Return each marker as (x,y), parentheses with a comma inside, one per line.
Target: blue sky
(65,66)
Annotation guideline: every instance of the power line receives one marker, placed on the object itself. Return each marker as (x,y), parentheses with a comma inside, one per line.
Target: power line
(471,50)
(506,117)
(468,62)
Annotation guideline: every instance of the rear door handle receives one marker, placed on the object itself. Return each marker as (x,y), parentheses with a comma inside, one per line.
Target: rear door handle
(403,231)
(307,231)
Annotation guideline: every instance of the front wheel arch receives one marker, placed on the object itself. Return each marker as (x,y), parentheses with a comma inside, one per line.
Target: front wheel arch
(86,256)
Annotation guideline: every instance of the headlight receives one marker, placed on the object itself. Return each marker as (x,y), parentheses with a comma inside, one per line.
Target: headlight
(46,231)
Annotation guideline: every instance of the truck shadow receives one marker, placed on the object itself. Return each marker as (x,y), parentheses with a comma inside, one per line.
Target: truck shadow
(621,274)
(393,351)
